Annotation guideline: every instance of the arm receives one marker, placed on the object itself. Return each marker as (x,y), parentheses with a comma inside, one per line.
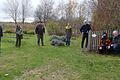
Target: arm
(43,29)
(16,30)
(81,29)
(90,27)
(1,32)
(71,31)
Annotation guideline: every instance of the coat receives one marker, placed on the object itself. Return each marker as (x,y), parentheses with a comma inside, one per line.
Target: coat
(68,31)
(1,32)
(85,28)
(40,30)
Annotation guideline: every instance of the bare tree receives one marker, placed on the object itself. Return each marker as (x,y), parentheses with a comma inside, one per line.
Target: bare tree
(12,9)
(107,14)
(25,9)
(71,10)
(60,11)
(44,10)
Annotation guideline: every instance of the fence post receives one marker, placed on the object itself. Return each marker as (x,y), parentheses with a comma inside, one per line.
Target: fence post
(89,41)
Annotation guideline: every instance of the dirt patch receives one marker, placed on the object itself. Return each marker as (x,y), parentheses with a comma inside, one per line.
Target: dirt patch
(55,70)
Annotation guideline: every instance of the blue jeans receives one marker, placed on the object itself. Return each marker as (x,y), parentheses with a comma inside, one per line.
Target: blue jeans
(68,40)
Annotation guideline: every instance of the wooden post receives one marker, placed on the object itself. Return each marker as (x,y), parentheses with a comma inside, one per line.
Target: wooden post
(89,41)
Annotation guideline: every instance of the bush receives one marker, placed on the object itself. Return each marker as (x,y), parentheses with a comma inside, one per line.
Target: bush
(29,32)
(62,38)
(9,31)
(58,40)
(54,28)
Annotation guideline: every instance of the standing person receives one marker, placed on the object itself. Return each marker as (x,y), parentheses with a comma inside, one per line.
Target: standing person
(40,30)
(85,31)
(19,36)
(1,35)
(68,34)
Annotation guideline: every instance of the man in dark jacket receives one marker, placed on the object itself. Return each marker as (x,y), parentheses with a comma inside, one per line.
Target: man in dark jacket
(40,30)
(19,36)
(68,34)
(85,31)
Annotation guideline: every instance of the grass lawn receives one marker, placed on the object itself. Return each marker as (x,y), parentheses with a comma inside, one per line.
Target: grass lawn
(31,62)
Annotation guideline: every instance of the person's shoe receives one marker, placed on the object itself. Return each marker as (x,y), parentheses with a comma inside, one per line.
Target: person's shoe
(82,49)
(86,49)
(43,45)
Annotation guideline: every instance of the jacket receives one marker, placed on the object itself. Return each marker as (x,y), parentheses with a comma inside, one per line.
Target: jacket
(1,32)
(68,31)
(85,28)
(40,30)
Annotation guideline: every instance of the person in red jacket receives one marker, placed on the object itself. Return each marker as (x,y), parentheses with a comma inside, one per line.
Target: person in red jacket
(105,43)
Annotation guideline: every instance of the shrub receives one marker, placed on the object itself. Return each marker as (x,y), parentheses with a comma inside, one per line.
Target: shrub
(62,38)
(54,28)
(31,32)
(57,40)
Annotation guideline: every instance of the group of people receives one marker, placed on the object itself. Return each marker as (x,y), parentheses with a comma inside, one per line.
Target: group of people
(110,44)
(40,31)
(84,31)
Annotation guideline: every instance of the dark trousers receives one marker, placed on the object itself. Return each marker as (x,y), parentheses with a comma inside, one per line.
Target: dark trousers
(68,40)
(0,39)
(117,49)
(40,37)
(0,44)
(18,41)
(84,37)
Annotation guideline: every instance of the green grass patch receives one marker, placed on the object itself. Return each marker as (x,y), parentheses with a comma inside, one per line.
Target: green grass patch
(31,62)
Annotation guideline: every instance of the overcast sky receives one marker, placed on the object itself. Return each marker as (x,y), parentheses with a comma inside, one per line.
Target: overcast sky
(4,17)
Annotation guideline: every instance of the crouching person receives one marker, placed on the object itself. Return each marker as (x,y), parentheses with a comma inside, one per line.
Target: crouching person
(116,42)
(105,44)
(19,36)
(68,34)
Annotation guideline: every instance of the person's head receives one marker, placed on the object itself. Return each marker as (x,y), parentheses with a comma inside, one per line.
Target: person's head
(40,22)
(89,22)
(85,22)
(115,33)
(17,25)
(104,35)
(68,24)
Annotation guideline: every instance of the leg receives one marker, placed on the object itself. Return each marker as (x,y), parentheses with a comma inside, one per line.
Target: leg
(16,42)
(42,40)
(38,42)
(19,42)
(86,40)
(83,39)
(67,39)
(0,44)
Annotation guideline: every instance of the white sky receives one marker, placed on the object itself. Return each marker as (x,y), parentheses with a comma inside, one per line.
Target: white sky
(4,17)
